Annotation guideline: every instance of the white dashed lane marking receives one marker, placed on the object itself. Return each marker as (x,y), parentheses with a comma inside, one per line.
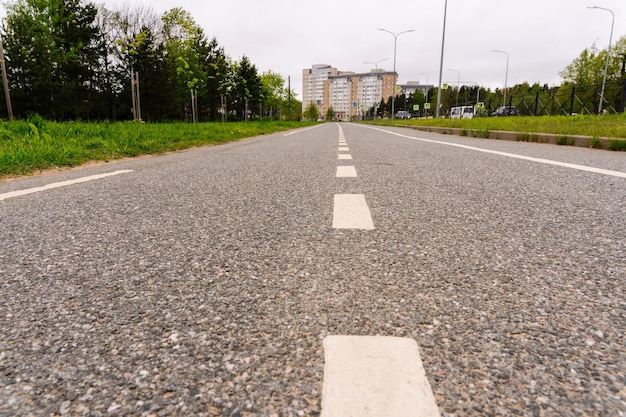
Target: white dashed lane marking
(351,212)
(345,156)
(346,172)
(344,149)
(375,376)
(19,193)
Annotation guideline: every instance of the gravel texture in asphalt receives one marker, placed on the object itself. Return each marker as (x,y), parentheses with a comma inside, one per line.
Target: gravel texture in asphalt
(203,282)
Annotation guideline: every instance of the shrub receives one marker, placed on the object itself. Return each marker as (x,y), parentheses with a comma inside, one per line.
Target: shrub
(617,145)
(596,143)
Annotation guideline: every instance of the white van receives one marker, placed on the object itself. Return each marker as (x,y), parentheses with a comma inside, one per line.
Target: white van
(462,112)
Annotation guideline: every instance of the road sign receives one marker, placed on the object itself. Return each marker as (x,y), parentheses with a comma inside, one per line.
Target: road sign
(355,104)
(444,86)
(362,106)
(426,106)
(398,88)
(416,107)
(480,104)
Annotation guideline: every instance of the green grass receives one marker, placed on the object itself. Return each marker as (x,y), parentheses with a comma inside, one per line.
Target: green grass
(36,144)
(610,126)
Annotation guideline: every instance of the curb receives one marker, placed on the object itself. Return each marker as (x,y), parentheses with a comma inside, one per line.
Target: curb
(554,139)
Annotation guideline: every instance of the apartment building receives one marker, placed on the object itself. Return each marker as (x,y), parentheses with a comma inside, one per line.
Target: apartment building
(349,94)
(313,80)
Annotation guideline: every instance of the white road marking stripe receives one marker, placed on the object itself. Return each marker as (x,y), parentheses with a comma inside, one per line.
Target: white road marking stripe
(346,172)
(516,156)
(345,156)
(301,130)
(19,193)
(344,149)
(351,212)
(375,376)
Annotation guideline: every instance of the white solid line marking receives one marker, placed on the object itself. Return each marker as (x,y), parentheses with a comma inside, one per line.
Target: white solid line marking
(19,193)
(375,376)
(346,172)
(302,130)
(345,156)
(351,212)
(344,149)
(516,156)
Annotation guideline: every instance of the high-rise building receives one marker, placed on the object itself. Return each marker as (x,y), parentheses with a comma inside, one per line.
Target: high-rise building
(313,80)
(349,94)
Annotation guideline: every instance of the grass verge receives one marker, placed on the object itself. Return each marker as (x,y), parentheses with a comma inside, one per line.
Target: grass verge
(610,126)
(36,144)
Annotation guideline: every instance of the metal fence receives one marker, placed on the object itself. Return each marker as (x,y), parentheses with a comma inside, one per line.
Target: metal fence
(566,100)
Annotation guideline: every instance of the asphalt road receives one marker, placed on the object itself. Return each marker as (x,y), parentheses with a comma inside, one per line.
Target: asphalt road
(204,282)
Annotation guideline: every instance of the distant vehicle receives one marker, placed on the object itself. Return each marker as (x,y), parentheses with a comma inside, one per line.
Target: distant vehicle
(506,111)
(462,112)
(403,115)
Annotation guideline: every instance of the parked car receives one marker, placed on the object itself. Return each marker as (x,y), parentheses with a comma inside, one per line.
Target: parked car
(506,111)
(403,115)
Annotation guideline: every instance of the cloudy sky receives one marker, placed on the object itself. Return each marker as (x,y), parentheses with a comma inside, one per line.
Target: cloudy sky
(541,36)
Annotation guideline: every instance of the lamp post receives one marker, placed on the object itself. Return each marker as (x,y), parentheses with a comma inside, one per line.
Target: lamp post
(608,53)
(395,42)
(458,84)
(506,75)
(376,63)
(376,89)
(443,41)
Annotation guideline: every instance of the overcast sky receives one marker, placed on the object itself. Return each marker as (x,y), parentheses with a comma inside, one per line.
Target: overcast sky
(541,36)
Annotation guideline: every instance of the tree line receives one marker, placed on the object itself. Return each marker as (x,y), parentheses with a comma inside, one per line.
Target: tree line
(73,59)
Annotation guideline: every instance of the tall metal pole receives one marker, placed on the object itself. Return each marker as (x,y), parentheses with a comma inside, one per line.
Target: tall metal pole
(443,42)
(608,53)
(395,42)
(506,74)
(5,80)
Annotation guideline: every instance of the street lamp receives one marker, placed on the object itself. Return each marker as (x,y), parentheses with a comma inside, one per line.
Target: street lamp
(506,75)
(443,41)
(458,84)
(606,63)
(395,42)
(477,91)
(376,63)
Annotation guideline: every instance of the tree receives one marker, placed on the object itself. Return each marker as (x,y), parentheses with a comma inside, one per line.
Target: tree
(588,67)
(273,92)
(185,44)
(54,51)
(330,114)
(311,112)
(246,89)
(133,38)
(216,66)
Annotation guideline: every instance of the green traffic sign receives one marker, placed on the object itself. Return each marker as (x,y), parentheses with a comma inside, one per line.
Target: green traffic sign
(426,106)
(416,107)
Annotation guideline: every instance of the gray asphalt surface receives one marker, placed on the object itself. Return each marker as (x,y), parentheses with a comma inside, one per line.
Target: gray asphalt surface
(204,282)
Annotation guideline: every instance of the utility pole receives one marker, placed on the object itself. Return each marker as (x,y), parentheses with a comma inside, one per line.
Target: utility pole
(135,95)
(7,96)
